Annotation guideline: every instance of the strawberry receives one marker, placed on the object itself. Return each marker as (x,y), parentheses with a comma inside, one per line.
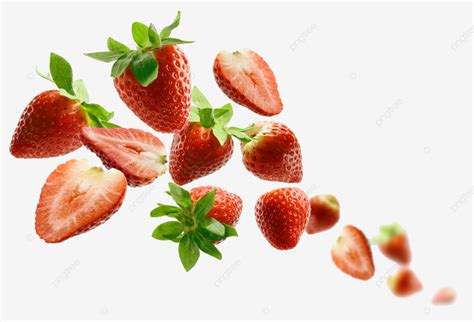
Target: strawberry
(404,282)
(248,80)
(138,154)
(282,215)
(76,198)
(51,123)
(274,154)
(196,226)
(153,80)
(205,144)
(227,206)
(324,213)
(352,254)
(444,296)
(393,243)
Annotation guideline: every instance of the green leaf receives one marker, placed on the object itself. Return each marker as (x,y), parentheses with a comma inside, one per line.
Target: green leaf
(115,45)
(199,99)
(43,75)
(154,37)
(140,34)
(166,31)
(188,251)
(207,247)
(165,210)
(206,117)
(194,115)
(175,41)
(168,230)
(181,196)
(239,134)
(213,226)
(97,110)
(80,90)
(223,114)
(122,63)
(145,68)
(220,134)
(207,234)
(230,231)
(66,94)
(109,125)
(204,205)
(61,72)
(387,232)
(105,56)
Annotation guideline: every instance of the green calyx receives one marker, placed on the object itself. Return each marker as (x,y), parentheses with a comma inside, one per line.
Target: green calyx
(191,229)
(216,119)
(386,233)
(141,61)
(60,73)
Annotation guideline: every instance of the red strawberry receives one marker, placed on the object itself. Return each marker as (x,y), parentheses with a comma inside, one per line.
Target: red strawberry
(248,80)
(51,123)
(282,215)
(393,243)
(352,254)
(274,154)
(444,296)
(154,80)
(138,154)
(324,213)
(404,282)
(227,206)
(76,198)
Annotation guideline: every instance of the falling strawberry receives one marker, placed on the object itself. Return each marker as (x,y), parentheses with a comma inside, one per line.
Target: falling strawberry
(324,213)
(444,296)
(404,282)
(196,226)
(248,80)
(393,243)
(76,198)
(153,80)
(138,154)
(51,123)
(205,144)
(282,215)
(352,254)
(274,154)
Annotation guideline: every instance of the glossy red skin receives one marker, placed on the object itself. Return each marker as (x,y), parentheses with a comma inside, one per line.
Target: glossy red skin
(282,215)
(405,283)
(323,215)
(397,249)
(227,206)
(195,153)
(275,157)
(49,126)
(164,104)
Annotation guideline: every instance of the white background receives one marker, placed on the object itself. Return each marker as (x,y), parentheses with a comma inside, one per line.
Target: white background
(379,96)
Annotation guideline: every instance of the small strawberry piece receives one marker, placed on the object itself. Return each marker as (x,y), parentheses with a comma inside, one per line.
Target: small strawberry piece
(444,296)
(227,206)
(138,154)
(274,154)
(352,254)
(393,243)
(248,80)
(282,215)
(404,282)
(324,213)
(76,198)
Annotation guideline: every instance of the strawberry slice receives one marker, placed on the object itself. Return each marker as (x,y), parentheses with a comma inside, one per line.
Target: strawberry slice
(76,198)
(352,254)
(248,80)
(138,154)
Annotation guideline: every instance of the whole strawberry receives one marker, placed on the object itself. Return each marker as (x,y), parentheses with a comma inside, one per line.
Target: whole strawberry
(51,123)
(153,80)
(197,224)
(274,154)
(205,144)
(393,243)
(282,215)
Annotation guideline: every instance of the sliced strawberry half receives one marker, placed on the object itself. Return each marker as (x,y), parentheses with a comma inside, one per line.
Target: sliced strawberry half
(248,80)
(352,254)
(76,198)
(138,154)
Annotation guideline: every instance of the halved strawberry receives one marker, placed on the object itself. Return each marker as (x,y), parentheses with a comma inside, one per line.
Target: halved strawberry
(138,154)
(76,198)
(352,254)
(324,213)
(248,80)
(404,282)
